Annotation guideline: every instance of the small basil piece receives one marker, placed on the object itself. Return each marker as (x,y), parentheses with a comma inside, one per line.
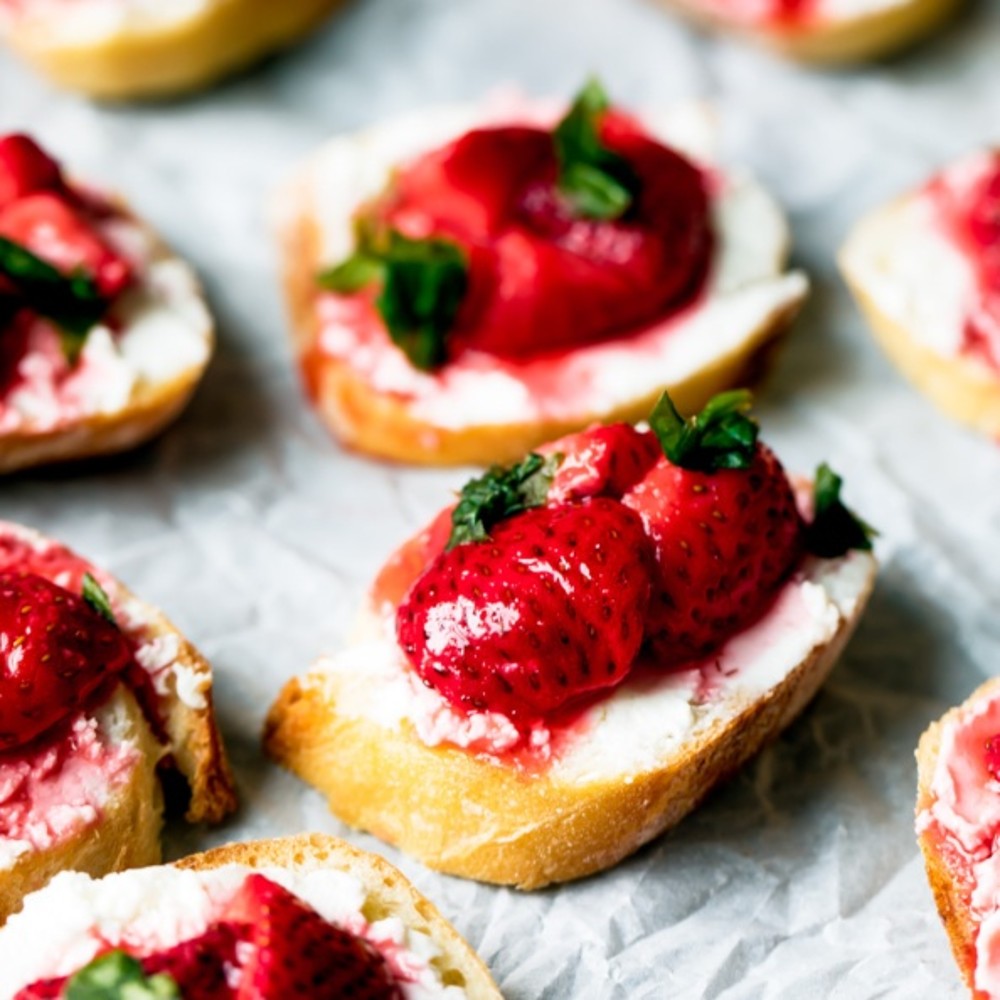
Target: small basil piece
(424,283)
(600,184)
(96,596)
(722,436)
(72,302)
(119,976)
(835,529)
(501,493)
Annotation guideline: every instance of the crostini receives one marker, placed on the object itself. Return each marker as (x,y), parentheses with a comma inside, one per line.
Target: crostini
(303,918)
(567,660)
(102,700)
(468,282)
(926,272)
(104,333)
(958,818)
(130,49)
(825,31)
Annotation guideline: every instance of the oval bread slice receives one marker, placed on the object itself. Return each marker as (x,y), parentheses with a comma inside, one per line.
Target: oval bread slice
(153,364)
(724,339)
(915,290)
(386,894)
(127,834)
(150,50)
(650,752)
(861,32)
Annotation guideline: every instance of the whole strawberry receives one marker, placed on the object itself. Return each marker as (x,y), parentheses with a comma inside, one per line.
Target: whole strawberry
(540,608)
(56,649)
(292,951)
(724,523)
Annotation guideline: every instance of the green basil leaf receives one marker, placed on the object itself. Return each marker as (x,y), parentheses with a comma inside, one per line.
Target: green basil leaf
(118,976)
(358,271)
(72,301)
(835,529)
(599,183)
(722,436)
(501,493)
(96,596)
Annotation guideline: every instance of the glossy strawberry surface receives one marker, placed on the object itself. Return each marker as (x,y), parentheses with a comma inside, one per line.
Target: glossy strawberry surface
(57,232)
(550,607)
(25,169)
(542,278)
(724,540)
(55,651)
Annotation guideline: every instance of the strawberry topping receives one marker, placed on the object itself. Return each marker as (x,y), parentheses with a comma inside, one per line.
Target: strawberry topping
(612,544)
(55,231)
(25,169)
(549,608)
(55,651)
(993,756)
(566,237)
(268,945)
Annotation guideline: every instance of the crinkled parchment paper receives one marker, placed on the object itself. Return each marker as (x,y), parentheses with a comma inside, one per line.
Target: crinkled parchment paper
(800,878)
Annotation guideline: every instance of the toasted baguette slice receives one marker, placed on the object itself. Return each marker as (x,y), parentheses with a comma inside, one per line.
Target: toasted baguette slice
(147,372)
(386,894)
(154,50)
(916,290)
(724,339)
(841,32)
(945,837)
(126,832)
(361,729)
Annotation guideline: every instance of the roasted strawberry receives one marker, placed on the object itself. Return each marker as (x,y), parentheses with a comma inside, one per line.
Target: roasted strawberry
(723,519)
(292,951)
(548,607)
(50,228)
(25,169)
(601,461)
(56,649)
(203,967)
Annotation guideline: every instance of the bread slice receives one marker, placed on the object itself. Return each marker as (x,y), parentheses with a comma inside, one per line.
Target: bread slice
(149,369)
(386,893)
(127,832)
(855,34)
(362,729)
(724,340)
(156,50)
(916,289)
(949,866)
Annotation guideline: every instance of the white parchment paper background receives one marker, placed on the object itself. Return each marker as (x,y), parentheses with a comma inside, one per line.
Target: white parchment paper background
(799,879)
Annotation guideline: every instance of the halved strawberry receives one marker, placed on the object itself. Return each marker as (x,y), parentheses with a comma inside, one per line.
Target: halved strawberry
(55,651)
(724,523)
(550,606)
(25,169)
(52,229)
(291,951)
(204,967)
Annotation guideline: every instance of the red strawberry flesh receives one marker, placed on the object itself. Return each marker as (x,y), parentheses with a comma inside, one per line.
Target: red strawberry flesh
(51,228)
(25,169)
(55,651)
(549,608)
(541,278)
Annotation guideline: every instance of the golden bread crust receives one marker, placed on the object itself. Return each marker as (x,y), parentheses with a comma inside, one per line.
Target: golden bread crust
(151,409)
(846,40)
(952,893)
(389,893)
(160,61)
(380,424)
(962,387)
(468,816)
